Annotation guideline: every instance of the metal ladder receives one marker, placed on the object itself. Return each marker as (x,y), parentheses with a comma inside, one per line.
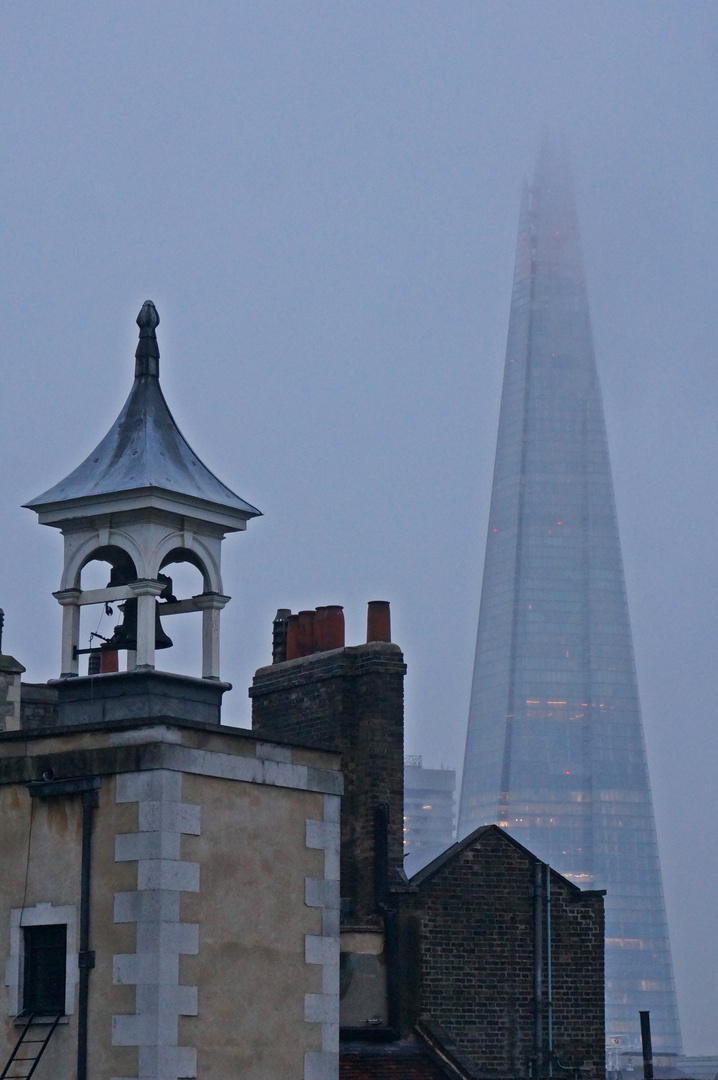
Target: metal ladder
(36,1048)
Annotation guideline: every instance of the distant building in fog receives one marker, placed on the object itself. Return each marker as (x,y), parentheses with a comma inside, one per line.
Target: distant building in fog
(429,812)
(554,751)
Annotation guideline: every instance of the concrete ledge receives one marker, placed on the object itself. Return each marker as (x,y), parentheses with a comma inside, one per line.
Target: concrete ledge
(177,746)
(97,699)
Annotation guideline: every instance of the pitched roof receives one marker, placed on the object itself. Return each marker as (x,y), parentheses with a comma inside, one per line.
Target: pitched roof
(451,853)
(144,448)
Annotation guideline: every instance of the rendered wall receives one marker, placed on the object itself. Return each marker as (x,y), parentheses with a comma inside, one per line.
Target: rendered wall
(252,922)
(215,900)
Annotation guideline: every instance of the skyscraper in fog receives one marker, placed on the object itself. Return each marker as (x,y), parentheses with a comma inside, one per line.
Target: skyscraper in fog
(429,811)
(555,750)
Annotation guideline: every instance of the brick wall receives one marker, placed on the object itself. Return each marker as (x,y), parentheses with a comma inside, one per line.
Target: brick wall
(577,935)
(475,909)
(350,700)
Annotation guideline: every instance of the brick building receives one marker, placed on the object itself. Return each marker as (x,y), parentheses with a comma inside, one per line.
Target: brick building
(485,963)
(509,954)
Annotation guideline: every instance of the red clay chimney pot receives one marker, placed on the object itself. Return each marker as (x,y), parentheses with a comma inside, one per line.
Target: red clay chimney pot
(293,637)
(305,632)
(334,627)
(378,621)
(320,626)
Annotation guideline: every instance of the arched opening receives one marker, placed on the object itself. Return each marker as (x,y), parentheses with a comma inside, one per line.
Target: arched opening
(188,577)
(177,556)
(122,568)
(99,621)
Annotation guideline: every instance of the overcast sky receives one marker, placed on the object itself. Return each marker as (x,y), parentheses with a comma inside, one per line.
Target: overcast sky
(322,200)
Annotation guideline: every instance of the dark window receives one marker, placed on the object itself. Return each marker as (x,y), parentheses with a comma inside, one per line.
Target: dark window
(43,989)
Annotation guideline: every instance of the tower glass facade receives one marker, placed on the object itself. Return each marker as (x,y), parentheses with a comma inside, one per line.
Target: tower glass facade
(555,750)
(429,812)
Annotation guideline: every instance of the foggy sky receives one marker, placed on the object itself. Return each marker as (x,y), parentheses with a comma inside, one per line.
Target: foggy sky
(322,200)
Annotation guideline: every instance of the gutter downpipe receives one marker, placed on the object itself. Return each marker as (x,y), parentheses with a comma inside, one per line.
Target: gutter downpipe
(88,788)
(86,956)
(389,911)
(538,968)
(549,994)
(646,1045)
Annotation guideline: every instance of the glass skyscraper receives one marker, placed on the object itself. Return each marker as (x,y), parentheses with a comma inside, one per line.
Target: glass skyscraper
(555,750)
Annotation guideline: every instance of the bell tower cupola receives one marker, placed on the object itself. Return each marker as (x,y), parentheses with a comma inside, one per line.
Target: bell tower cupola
(140,502)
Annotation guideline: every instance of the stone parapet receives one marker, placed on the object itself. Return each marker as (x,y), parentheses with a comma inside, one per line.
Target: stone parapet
(10,673)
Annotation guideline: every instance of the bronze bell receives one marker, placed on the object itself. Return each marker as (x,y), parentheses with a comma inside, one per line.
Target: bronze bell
(125,635)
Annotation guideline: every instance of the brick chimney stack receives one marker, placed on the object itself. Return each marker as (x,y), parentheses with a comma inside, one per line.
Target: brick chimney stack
(349,699)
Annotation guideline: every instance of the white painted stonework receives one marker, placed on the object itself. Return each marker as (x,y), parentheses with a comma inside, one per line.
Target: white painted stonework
(323,949)
(272,764)
(147,540)
(161,938)
(40,915)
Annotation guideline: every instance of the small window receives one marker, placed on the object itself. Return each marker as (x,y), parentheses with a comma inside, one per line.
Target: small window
(44,969)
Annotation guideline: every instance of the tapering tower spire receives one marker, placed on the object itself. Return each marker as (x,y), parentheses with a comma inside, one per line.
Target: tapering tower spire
(554,749)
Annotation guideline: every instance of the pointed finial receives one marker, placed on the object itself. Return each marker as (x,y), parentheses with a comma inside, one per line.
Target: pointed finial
(147,354)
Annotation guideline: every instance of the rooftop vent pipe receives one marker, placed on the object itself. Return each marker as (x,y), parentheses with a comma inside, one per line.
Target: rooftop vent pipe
(279,635)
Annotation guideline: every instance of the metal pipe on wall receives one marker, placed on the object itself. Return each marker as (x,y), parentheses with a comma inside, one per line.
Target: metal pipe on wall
(538,967)
(389,911)
(549,984)
(646,1045)
(88,788)
(86,957)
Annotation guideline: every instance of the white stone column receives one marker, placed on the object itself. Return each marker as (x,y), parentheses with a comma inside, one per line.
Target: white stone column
(210,604)
(146,590)
(69,600)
